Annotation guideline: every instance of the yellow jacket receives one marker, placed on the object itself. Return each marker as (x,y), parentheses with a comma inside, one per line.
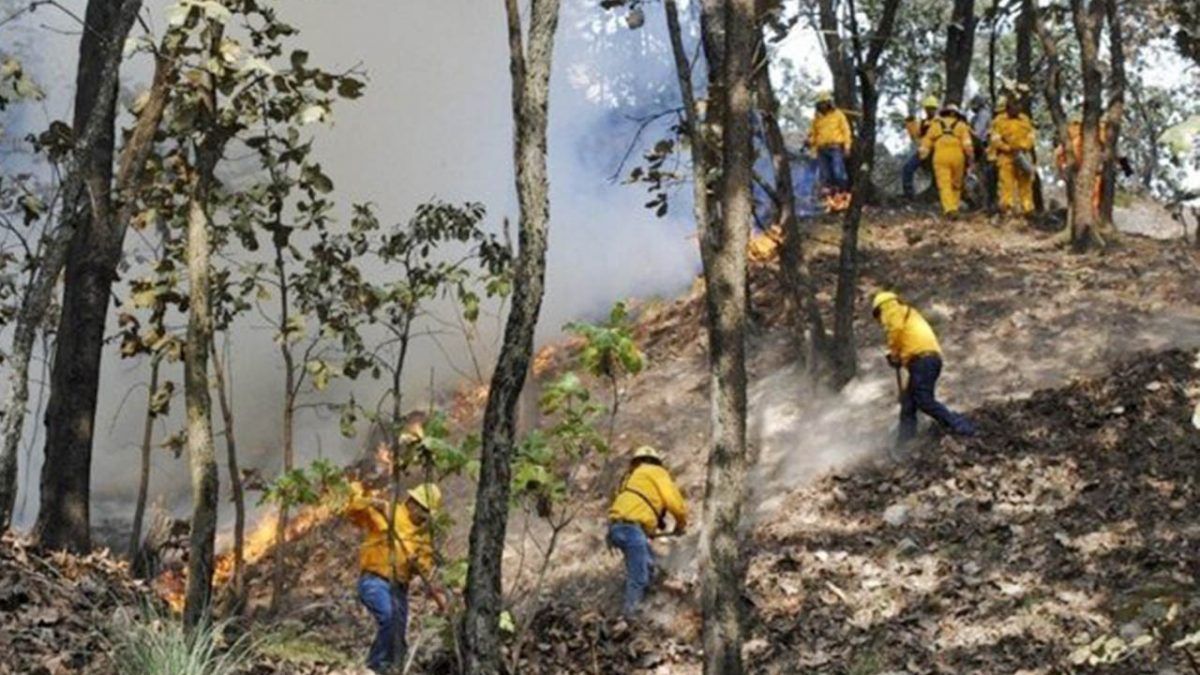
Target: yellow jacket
(908,333)
(647,493)
(916,128)
(1012,134)
(831,128)
(413,545)
(946,133)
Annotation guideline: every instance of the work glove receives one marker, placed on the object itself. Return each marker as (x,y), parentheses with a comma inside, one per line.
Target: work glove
(893,360)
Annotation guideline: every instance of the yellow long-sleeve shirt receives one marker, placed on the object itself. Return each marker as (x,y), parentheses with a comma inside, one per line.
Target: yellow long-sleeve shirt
(831,128)
(647,493)
(946,133)
(1012,134)
(413,545)
(908,333)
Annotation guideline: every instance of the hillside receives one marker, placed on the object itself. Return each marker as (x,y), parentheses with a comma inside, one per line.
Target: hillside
(1016,315)
(1071,519)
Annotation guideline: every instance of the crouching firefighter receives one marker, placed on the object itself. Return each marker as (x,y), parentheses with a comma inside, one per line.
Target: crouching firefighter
(638,513)
(912,344)
(387,571)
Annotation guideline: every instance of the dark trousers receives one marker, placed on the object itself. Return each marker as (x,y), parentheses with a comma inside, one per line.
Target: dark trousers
(388,605)
(923,373)
(908,174)
(833,168)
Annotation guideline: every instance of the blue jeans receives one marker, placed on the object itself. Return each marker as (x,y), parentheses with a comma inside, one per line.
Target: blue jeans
(908,174)
(833,167)
(389,608)
(639,562)
(923,373)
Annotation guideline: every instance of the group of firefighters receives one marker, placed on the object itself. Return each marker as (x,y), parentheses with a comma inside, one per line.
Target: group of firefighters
(951,144)
(391,558)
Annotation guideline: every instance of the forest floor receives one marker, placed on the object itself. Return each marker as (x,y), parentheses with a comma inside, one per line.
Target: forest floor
(1071,521)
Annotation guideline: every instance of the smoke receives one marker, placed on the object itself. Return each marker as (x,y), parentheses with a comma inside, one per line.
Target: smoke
(435,122)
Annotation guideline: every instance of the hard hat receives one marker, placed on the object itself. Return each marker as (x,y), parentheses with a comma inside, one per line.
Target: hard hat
(930,102)
(1002,103)
(882,298)
(645,452)
(825,96)
(427,495)
(1077,118)
(978,100)
(951,106)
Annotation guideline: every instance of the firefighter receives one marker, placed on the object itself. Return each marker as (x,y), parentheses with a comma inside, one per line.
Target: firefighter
(916,131)
(829,142)
(638,514)
(385,575)
(912,345)
(948,141)
(1012,145)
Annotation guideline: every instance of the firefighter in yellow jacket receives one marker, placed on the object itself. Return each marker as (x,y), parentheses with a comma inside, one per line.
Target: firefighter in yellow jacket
(638,513)
(912,344)
(948,141)
(411,553)
(916,131)
(829,141)
(1012,141)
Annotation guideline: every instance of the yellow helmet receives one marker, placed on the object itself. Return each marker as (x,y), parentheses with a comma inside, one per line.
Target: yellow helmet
(882,298)
(427,495)
(1002,103)
(930,102)
(825,96)
(646,452)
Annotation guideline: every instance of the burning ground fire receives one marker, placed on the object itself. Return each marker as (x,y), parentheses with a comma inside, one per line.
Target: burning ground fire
(171,584)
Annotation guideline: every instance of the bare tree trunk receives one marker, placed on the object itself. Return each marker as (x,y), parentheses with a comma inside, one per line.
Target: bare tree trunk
(1052,90)
(1088,24)
(840,64)
(1115,113)
(63,518)
(238,496)
(722,566)
(791,254)
(1151,132)
(960,47)
(530,70)
(201,454)
(139,511)
(279,571)
(1025,33)
(845,355)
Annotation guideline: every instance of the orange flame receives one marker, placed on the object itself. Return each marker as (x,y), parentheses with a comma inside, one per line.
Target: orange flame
(171,584)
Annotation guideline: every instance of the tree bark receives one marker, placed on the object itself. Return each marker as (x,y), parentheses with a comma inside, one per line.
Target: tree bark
(1052,91)
(238,494)
(201,453)
(1025,33)
(279,571)
(798,279)
(530,69)
(721,563)
(1115,113)
(840,64)
(960,47)
(845,356)
(139,511)
(63,518)
(1088,24)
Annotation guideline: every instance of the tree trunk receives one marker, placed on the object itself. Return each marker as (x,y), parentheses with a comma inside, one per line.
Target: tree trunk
(1115,113)
(530,70)
(201,454)
(795,269)
(845,356)
(279,571)
(960,47)
(64,515)
(1025,32)
(1052,91)
(839,62)
(721,564)
(1084,223)
(139,511)
(238,494)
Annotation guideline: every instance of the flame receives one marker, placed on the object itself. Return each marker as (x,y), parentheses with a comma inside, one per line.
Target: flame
(171,585)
